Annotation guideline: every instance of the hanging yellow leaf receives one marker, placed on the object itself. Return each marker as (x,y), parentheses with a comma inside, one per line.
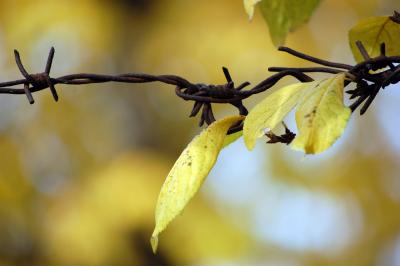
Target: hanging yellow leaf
(271,111)
(321,117)
(249,7)
(372,32)
(284,16)
(188,173)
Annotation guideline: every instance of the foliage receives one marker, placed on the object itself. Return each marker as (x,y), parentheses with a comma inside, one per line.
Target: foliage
(69,195)
(374,31)
(321,115)
(271,111)
(282,16)
(189,172)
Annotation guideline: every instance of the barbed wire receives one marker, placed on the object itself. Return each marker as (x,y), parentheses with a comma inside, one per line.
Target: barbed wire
(370,76)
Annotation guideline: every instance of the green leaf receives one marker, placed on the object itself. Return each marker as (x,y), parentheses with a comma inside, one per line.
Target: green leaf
(189,173)
(372,32)
(271,111)
(284,16)
(321,117)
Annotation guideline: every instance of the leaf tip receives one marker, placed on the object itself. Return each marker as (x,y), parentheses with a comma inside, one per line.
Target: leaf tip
(250,143)
(249,7)
(248,136)
(154,243)
(278,41)
(250,13)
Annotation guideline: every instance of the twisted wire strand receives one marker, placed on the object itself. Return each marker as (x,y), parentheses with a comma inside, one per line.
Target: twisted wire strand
(368,83)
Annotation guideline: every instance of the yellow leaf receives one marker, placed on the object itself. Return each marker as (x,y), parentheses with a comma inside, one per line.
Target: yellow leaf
(271,111)
(249,7)
(189,173)
(321,117)
(284,16)
(372,32)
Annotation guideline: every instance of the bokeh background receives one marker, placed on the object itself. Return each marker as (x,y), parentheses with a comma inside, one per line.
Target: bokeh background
(79,178)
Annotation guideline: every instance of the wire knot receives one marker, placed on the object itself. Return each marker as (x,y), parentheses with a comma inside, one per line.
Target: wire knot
(205,94)
(39,81)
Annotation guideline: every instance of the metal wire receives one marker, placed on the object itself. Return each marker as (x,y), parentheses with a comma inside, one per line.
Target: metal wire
(368,83)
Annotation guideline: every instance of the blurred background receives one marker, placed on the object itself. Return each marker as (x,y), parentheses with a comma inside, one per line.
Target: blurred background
(79,178)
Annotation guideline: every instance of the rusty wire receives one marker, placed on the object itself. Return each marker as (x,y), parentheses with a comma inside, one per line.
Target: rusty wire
(365,75)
